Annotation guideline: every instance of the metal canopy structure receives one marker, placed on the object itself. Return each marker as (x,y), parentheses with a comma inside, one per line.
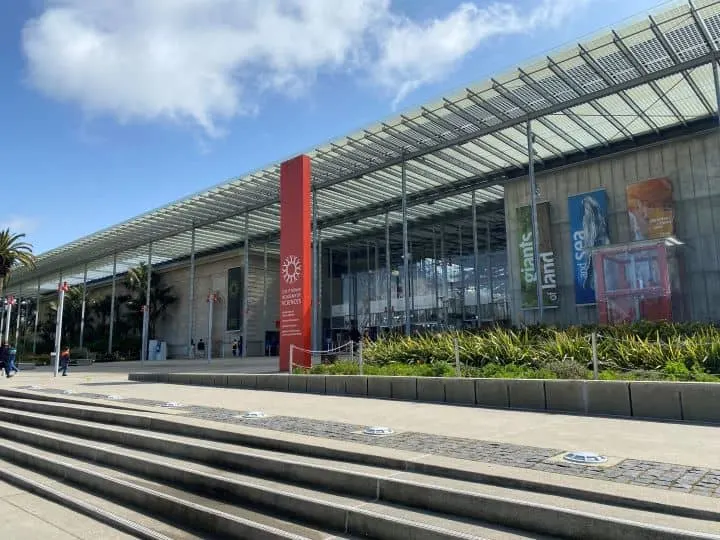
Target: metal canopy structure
(620,86)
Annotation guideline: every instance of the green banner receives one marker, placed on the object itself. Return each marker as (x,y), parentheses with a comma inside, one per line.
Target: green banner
(235,283)
(548,276)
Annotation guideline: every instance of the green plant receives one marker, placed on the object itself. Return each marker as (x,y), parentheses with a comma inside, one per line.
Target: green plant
(161,297)
(641,349)
(14,253)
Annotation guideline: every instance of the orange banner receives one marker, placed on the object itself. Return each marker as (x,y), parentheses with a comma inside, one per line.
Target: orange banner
(295,263)
(650,209)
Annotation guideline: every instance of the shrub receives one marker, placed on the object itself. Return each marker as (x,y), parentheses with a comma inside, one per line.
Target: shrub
(683,351)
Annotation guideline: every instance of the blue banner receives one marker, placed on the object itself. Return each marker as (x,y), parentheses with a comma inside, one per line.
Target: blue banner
(588,229)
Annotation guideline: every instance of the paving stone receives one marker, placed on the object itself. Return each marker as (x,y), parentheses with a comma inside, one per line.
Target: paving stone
(661,476)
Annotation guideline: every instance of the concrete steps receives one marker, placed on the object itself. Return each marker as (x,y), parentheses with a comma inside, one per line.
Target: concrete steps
(133,523)
(189,474)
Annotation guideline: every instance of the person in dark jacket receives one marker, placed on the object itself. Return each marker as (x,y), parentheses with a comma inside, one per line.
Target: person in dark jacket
(4,358)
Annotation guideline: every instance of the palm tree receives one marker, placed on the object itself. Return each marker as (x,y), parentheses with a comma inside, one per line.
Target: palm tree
(72,313)
(161,296)
(14,252)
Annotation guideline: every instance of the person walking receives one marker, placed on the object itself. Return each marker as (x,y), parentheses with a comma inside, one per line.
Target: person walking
(235,347)
(64,361)
(4,359)
(10,363)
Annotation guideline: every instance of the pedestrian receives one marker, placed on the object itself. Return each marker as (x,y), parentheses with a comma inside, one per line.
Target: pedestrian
(64,361)
(11,367)
(201,347)
(4,359)
(234,347)
(355,335)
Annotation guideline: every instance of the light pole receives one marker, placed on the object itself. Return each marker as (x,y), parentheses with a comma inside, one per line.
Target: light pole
(62,289)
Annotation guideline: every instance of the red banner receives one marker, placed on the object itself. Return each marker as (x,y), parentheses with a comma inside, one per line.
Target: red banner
(295,262)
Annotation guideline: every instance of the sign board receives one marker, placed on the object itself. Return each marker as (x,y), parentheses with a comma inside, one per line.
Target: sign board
(548,274)
(650,209)
(295,262)
(588,230)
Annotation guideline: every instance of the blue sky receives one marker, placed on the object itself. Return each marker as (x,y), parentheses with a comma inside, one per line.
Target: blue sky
(110,108)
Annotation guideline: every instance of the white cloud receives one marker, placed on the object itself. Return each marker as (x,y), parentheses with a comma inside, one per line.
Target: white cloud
(18,224)
(206,61)
(417,53)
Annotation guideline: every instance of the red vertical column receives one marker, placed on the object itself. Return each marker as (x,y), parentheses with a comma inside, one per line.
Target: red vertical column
(295,262)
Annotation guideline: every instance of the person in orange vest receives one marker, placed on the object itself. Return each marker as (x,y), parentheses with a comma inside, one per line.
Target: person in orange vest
(64,361)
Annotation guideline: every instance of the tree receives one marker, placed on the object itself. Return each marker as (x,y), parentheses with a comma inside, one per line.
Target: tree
(72,313)
(14,253)
(161,296)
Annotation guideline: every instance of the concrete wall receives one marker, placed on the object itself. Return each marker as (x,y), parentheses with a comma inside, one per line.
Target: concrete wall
(693,167)
(212,276)
(689,402)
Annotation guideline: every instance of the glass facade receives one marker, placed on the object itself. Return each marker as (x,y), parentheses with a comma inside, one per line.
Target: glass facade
(445,293)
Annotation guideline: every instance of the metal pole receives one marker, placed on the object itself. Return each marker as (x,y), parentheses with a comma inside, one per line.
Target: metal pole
(191,297)
(37,318)
(406,254)
(352,286)
(716,78)
(476,253)
(456,347)
(595,356)
(461,268)
(368,303)
(17,318)
(444,272)
(533,211)
(377,287)
(58,326)
(488,250)
(2,318)
(436,281)
(146,313)
(210,326)
(246,287)
(388,271)
(332,288)
(82,309)
(320,292)
(314,291)
(112,305)
(265,295)
(7,323)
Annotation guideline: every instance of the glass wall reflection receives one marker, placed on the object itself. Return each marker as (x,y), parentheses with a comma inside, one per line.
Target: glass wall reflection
(446,291)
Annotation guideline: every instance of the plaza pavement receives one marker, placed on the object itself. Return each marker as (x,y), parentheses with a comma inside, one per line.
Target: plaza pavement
(692,445)
(674,446)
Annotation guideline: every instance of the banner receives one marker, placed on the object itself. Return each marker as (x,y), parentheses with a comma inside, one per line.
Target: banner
(235,284)
(528,278)
(295,262)
(650,209)
(588,229)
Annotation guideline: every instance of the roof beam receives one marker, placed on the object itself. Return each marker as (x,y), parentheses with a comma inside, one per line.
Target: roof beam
(673,55)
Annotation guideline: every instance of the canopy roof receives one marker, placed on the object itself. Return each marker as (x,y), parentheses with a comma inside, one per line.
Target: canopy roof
(620,87)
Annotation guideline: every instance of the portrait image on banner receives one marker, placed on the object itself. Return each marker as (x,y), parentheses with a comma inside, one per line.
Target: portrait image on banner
(235,281)
(548,274)
(650,209)
(588,230)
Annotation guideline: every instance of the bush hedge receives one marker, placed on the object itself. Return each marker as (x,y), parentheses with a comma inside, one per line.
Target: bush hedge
(675,351)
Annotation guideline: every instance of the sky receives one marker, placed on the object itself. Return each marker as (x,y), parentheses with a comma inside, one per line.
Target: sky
(111,108)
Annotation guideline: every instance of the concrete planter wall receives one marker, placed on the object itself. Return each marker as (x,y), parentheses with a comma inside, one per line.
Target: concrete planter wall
(691,402)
